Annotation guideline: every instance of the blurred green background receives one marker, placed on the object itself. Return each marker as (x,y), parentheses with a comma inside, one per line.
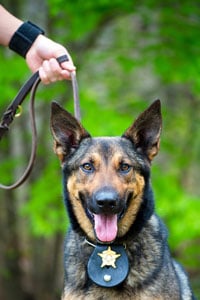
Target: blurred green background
(127,54)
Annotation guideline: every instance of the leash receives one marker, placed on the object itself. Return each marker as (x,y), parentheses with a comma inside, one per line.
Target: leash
(31,85)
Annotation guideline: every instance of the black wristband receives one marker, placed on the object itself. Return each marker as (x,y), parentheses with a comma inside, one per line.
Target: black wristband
(24,37)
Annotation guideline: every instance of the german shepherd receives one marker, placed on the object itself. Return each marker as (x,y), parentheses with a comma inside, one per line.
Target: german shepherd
(117,246)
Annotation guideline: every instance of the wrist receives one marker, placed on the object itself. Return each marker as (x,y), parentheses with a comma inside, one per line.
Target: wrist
(24,37)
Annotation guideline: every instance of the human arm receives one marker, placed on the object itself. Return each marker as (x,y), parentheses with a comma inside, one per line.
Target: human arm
(42,53)
(8,25)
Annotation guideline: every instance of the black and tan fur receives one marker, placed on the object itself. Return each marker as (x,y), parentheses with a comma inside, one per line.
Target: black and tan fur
(111,176)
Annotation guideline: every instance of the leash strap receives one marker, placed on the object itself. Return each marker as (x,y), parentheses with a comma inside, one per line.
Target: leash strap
(77,112)
(8,117)
(29,167)
(10,112)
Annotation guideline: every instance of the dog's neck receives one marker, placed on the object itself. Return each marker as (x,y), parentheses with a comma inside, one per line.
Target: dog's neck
(104,263)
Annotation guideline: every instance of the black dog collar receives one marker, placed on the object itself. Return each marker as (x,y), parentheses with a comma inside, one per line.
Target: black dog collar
(24,37)
(108,266)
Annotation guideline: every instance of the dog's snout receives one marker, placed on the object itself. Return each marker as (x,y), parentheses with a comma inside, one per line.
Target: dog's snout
(106,201)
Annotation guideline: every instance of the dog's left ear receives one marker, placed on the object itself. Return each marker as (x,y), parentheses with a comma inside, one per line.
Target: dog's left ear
(145,131)
(66,130)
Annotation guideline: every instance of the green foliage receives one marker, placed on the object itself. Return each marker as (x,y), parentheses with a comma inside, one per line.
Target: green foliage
(180,212)
(85,16)
(13,73)
(45,208)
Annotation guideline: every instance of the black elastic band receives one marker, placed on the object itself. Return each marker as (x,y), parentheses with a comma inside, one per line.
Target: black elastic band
(62,58)
(24,37)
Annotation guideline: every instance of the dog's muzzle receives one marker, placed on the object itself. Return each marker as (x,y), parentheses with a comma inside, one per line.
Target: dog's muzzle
(106,208)
(106,201)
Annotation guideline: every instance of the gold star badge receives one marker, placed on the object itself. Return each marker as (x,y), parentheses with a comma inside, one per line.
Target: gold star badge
(109,257)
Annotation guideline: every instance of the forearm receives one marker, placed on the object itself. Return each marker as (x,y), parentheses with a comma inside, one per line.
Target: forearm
(8,25)
(40,52)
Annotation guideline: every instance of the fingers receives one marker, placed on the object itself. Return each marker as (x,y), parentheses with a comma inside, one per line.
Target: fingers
(42,56)
(51,71)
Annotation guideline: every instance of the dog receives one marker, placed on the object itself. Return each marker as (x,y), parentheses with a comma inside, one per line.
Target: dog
(116,247)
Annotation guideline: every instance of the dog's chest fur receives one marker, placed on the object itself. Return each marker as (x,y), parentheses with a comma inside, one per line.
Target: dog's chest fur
(146,253)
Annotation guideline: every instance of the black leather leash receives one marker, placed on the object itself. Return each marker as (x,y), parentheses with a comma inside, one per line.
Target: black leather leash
(8,116)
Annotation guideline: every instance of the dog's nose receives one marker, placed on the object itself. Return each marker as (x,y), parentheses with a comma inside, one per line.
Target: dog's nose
(106,200)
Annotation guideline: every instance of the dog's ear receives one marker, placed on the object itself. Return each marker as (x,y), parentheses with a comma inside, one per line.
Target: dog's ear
(145,131)
(66,130)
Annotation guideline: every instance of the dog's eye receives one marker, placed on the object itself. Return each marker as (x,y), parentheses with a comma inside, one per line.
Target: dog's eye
(87,167)
(124,168)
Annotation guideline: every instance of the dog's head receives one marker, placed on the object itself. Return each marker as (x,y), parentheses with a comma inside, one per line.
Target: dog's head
(106,179)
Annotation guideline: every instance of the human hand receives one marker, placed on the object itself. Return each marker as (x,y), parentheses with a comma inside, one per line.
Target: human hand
(42,56)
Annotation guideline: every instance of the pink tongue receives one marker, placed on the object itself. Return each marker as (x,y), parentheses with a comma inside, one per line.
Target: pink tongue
(105,227)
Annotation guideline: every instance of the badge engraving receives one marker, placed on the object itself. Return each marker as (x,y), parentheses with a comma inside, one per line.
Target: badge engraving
(109,257)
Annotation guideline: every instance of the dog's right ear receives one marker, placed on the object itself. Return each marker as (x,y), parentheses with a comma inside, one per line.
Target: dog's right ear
(66,130)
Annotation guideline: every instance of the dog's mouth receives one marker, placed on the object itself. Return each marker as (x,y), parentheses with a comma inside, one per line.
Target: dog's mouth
(105,227)
(105,213)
